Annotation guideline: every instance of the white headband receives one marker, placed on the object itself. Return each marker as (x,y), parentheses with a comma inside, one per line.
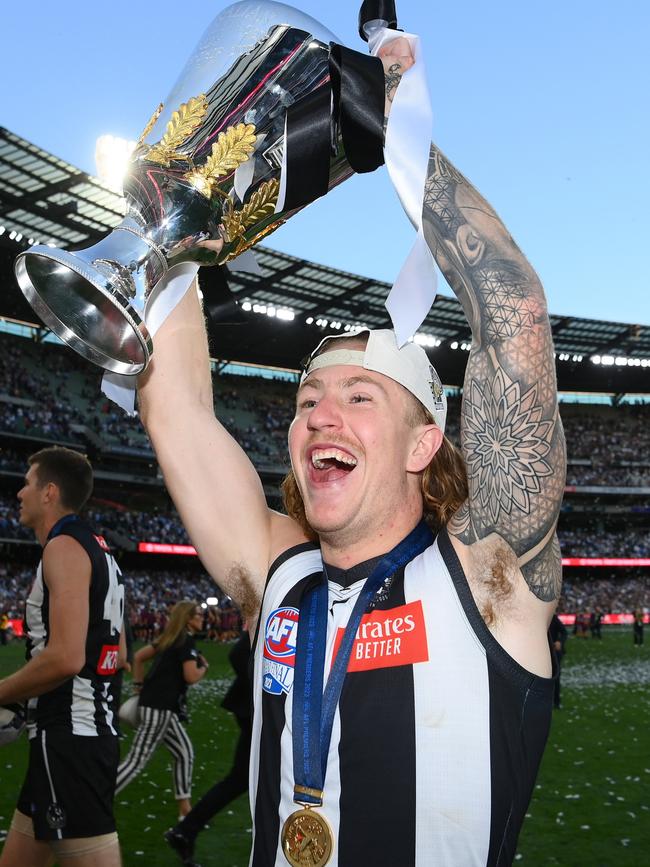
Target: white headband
(409,366)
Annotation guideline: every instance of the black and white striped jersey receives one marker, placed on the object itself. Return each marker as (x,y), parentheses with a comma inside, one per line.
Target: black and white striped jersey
(81,705)
(438,735)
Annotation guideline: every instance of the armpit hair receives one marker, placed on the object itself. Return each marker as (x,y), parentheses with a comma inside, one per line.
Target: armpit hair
(495,578)
(247,595)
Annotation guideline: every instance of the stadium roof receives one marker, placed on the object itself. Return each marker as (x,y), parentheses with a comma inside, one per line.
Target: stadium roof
(44,199)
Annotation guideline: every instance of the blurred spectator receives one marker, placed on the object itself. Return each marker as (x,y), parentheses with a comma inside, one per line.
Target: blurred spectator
(619,592)
(150,595)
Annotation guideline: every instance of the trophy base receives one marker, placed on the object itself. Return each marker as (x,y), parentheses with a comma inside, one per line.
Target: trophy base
(83,307)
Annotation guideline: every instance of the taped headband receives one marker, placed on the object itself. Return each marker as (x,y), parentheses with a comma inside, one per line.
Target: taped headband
(408,366)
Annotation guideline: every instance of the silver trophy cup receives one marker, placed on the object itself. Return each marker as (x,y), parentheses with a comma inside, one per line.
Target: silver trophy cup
(203,183)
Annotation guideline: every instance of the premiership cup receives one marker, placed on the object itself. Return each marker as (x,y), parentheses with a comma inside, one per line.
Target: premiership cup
(207,180)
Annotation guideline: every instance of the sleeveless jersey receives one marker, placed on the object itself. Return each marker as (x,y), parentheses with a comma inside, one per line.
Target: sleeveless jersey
(438,734)
(82,704)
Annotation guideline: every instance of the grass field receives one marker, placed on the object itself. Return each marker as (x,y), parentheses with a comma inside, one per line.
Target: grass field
(591,804)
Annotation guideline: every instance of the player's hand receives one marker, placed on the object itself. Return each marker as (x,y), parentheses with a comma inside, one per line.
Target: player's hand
(397,51)
(396,57)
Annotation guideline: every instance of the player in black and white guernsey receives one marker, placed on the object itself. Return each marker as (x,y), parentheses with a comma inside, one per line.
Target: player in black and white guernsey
(74,618)
(438,697)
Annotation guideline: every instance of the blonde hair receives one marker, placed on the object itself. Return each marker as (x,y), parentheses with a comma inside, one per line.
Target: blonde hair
(443,481)
(179,617)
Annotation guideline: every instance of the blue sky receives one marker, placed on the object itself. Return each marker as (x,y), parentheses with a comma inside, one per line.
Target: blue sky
(544,106)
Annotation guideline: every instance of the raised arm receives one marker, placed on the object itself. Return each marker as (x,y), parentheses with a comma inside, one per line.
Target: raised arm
(511,433)
(214,485)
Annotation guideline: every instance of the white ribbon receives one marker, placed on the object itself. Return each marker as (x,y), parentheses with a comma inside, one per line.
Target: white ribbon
(166,295)
(406,151)
(247,263)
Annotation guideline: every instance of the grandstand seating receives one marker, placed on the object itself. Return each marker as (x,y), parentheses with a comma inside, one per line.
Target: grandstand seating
(49,394)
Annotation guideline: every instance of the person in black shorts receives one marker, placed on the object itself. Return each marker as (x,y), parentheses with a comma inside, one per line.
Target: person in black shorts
(74,618)
(176,664)
(239,701)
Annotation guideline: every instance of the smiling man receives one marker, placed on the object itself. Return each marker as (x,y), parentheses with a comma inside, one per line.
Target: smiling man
(402,680)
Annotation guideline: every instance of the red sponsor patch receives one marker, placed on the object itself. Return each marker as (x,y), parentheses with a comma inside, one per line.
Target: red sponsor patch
(108,659)
(103,544)
(388,638)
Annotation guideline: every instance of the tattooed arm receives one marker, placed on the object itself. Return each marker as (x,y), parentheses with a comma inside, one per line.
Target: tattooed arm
(511,433)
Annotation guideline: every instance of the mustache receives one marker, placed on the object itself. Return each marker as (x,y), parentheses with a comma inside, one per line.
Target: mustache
(334,440)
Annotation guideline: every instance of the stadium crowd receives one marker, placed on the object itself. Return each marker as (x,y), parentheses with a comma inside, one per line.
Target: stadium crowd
(52,396)
(166,527)
(597,542)
(151,593)
(614,434)
(50,393)
(614,593)
(149,596)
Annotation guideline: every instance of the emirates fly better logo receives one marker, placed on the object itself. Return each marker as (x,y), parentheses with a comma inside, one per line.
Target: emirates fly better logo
(386,639)
(280,635)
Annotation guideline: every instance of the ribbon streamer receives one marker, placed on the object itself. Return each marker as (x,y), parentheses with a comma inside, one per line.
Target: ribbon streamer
(352,103)
(358,89)
(218,302)
(406,150)
(306,154)
(376,10)
(167,294)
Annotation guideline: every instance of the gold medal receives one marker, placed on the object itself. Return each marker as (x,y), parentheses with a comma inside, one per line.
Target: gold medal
(306,839)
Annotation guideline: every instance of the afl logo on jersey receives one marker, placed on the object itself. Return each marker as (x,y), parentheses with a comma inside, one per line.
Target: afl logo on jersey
(280,635)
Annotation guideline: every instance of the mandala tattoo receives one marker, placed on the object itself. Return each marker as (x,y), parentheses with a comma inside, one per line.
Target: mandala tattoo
(511,436)
(505,441)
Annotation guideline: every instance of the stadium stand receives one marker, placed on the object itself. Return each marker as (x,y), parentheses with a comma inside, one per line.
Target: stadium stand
(608,449)
(48,394)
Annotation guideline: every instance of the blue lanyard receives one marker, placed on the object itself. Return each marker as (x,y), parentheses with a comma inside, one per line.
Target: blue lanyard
(313,709)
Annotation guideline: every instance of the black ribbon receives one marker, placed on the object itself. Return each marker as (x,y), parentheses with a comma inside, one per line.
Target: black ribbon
(358,88)
(308,144)
(218,299)
(376,10)
(352,105)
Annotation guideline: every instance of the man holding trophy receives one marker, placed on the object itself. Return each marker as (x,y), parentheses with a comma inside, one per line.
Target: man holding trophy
(402,677)
(432,652)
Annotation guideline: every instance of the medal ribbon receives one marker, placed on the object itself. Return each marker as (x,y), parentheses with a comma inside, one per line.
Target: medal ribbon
(313,709)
